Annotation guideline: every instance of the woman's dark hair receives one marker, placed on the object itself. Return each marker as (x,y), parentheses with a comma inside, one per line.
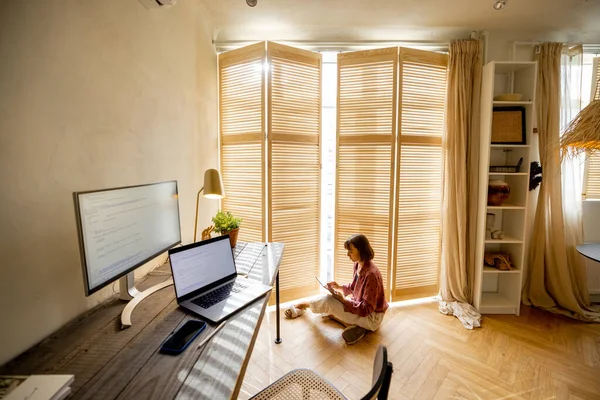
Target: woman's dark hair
(360,243)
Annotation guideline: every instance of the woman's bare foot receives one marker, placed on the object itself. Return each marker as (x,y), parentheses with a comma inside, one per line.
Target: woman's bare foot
(296,310)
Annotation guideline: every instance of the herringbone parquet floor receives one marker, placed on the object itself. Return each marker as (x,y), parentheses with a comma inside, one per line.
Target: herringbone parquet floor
(537,355)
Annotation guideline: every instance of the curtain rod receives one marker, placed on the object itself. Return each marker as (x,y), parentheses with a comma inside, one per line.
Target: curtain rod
(221,44)
(592,48)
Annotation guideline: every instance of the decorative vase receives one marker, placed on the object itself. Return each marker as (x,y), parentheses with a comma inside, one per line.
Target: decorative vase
(498,191)
(233,235)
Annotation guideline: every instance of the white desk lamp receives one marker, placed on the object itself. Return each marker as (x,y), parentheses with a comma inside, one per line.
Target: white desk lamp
(213,189)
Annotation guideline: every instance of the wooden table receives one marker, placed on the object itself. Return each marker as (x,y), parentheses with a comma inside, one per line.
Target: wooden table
(590,250)
(110,363)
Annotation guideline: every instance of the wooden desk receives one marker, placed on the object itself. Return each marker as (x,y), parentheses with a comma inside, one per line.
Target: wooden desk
(110,363)
(590,250)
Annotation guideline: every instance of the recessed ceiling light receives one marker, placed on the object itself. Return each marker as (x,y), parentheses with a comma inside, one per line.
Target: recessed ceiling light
(500,4)
(251,3)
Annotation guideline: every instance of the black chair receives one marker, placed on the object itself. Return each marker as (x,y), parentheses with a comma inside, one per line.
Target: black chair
(304,384)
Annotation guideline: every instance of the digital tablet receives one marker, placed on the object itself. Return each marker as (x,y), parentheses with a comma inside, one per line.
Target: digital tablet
(325,286)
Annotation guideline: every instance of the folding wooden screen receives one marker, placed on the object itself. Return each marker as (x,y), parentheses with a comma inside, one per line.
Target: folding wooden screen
(294,169)
(242,121)
(421,105)
(366,131)
(390,192)
(592,167)
(270,113)
(389,159)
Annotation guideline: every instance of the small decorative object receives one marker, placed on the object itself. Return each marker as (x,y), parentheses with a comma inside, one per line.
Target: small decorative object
(508,97)
(499,260)
(507,168)
(226,223)
(498,191)
(206,232)
(535,175)
(508,125)
(490,218)
(498,234)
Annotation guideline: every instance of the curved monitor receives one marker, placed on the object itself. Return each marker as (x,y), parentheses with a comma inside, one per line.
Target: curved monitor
(123,228)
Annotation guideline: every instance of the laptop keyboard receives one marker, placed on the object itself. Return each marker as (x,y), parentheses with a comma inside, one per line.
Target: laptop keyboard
(211,298)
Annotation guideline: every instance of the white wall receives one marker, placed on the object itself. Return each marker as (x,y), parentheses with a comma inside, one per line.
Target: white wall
(93,94)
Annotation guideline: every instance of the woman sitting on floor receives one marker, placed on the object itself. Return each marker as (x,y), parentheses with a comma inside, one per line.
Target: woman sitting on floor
(365,306)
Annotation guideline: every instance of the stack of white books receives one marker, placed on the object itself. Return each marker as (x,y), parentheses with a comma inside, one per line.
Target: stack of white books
(35,387)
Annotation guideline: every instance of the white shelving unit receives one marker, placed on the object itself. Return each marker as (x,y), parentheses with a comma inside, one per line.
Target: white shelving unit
(499,292)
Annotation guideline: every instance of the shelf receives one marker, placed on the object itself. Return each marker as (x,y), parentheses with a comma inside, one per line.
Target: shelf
(495,303)
(504,67)
(496,291)
(506,207)
(509,146)
(507,239)
(512,103)
(492,270)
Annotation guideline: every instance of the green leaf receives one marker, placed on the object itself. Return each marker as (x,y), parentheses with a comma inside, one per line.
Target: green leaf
(225,222)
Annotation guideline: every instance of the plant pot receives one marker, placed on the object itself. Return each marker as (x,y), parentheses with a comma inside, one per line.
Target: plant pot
(233,235)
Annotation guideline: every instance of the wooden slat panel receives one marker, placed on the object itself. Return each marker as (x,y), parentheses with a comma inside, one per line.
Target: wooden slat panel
(423,75)
(294,175)
(421,126)
(366,144)
(419,217)
(416,292)
(241,166)
(241,112)
(592,190)
(592,184)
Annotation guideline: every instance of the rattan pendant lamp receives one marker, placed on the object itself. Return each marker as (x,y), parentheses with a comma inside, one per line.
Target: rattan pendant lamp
(583,133)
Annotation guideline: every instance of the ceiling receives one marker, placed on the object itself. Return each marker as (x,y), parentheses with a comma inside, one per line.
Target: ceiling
(339,20)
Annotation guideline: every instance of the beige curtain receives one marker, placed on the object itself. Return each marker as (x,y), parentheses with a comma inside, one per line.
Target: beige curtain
(461,159)
(556,277)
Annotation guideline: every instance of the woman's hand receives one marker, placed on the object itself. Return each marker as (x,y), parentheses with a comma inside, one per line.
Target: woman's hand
(339,296)
(334,285)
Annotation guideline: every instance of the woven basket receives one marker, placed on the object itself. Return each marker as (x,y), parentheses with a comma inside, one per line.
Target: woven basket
(508,125)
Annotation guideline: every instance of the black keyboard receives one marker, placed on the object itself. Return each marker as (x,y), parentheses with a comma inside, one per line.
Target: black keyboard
(211,298)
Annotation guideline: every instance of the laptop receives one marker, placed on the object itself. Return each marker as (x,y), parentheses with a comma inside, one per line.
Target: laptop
(206,280)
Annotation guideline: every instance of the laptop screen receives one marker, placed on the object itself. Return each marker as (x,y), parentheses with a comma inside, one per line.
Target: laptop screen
(199,266)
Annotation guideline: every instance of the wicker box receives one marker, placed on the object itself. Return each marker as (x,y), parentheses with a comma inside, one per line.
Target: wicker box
(508,125)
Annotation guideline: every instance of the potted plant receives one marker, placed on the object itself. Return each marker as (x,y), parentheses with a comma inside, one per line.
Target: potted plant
(226,223)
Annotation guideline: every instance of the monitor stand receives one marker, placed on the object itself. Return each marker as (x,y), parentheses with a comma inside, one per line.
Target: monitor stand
(129,293)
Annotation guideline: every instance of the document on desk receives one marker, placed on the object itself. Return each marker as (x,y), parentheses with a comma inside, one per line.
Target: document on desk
(42,387)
